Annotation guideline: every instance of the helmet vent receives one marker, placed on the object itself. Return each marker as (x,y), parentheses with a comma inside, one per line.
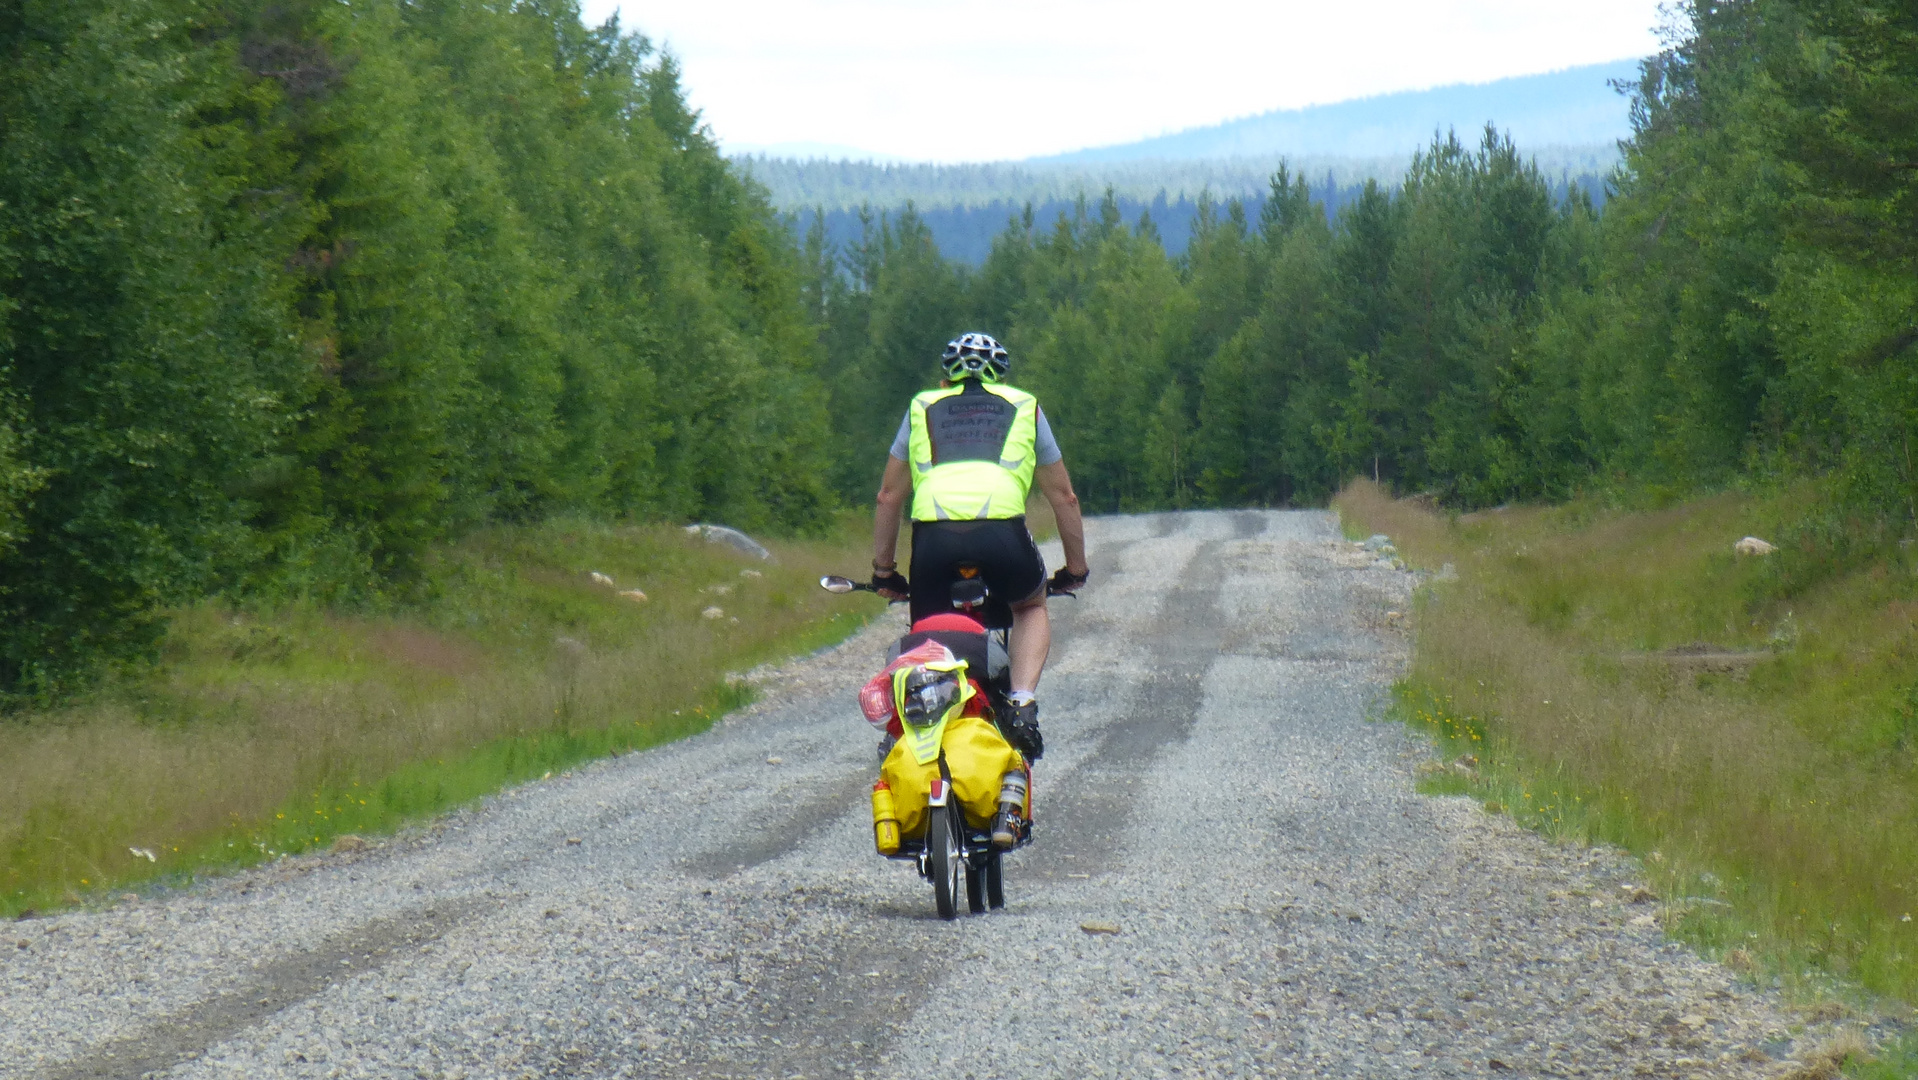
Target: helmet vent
(975,356)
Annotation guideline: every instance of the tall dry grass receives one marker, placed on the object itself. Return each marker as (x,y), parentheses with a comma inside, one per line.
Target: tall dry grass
(274,731)
(1776,782)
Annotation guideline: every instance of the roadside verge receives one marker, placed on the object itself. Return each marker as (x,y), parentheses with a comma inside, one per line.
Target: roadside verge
(267,731)
(1744,725)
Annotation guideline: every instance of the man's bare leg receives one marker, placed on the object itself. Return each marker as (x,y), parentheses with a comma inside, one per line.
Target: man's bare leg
(1031,641)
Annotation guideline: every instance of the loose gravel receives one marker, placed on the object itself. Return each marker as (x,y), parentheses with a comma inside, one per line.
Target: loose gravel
(1232,876)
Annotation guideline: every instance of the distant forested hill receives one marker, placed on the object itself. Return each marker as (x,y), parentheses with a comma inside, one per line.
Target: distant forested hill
(964,228)
(1575,107)
(1569,122)
(846,185)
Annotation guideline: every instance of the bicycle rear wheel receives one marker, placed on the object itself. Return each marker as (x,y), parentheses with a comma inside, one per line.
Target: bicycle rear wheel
(942,854)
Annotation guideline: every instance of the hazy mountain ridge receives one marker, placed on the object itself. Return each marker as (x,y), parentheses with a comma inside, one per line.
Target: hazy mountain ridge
(1573,107)
(1568,121)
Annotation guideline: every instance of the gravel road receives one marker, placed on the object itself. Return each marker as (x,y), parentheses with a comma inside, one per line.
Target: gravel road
(1286,904)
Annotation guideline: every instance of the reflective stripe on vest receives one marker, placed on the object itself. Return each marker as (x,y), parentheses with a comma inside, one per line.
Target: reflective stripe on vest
(972,448)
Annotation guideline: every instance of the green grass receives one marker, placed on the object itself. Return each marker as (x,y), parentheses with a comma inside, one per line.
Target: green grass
(1771,789)
(427,788)
(266,732)
(1898,1061)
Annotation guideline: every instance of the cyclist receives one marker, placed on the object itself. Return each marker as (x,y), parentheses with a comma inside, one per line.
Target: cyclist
(966,455)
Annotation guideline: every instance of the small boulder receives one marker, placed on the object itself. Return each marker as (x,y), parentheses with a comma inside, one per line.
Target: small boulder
(1099,927)
(634,595)
(733,538)
(600,579)
(712,613)
(1752,545)
(347,842)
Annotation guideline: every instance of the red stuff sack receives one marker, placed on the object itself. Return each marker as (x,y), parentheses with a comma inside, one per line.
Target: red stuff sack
(875,698)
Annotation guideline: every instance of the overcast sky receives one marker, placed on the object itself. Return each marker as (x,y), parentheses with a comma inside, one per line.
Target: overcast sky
(953,80)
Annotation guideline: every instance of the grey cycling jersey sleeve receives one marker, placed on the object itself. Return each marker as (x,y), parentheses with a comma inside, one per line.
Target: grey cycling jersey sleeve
(1046,447)
(902,442)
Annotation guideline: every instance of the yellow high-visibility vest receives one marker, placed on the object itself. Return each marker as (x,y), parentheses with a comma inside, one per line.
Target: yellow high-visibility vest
(973,450)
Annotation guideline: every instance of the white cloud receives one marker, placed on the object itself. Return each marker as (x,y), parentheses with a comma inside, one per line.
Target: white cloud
(993,79)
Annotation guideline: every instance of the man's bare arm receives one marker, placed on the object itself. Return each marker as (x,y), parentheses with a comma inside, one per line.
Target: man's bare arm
(1056,485)
(894,489)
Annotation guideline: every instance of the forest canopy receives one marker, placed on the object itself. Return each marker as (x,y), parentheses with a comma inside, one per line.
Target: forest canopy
(291,290)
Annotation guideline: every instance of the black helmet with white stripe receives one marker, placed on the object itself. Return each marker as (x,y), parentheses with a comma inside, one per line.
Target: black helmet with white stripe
(975,356)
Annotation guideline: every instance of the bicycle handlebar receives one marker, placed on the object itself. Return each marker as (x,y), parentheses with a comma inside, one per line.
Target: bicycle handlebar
(834,583)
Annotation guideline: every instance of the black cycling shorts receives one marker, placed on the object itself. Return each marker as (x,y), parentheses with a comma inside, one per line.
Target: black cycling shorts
(1001,548)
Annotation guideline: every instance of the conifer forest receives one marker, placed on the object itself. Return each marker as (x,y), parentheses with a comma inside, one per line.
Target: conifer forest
(292,291)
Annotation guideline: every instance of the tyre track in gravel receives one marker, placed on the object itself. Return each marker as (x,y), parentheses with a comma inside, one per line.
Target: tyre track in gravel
(1290,906)
(275,985)
(1085,820)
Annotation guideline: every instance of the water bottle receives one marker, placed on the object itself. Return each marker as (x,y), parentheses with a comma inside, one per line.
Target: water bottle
(885,823)
(1012,807)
